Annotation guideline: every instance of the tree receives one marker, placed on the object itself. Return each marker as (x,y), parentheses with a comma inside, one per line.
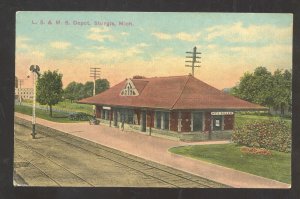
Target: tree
(255,87)
(263,87)
(282,90)
(49,89)
(102,85)
(70,91)
(77,91)
(87,89)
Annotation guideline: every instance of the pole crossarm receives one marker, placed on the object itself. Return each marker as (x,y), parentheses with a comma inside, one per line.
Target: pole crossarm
(194,58)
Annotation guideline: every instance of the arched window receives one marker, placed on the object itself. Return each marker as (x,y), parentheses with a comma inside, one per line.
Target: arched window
(129,89)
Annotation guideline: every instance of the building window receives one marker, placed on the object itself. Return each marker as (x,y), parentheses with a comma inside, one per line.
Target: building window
(158,119)
(129,89)
(129,116)
(102,114)
(162,120)
(106,112)
(166,120)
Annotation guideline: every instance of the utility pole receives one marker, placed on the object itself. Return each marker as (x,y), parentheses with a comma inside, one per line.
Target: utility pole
(20,90)
(194,59)
(94,73)
(35,71)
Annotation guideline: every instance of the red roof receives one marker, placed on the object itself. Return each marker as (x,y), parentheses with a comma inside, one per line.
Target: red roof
(175,92)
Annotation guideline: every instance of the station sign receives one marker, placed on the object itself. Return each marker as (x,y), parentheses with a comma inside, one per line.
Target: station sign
(221,113)
(106,107)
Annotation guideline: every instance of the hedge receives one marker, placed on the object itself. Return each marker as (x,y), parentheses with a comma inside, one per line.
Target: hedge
(268,134)
(80,116)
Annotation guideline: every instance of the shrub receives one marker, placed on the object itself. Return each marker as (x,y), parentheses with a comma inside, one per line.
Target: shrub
(268,134)
(80,116)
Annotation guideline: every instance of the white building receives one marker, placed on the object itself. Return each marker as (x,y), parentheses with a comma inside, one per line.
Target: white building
(23,93)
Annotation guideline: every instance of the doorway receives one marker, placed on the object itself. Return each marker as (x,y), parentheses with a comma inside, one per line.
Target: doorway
(197,121)
(217,123)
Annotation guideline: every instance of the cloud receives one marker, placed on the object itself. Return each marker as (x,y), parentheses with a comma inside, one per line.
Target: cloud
(99,34)
(187,37)
(162,36)
(142,45)
(273,55)
(100,37)
(124,33)
(22,42)
(38,54)
(99,30)
(87,55)
(180,36)
(60,44)
(238,32)
(109,55)
(99,47)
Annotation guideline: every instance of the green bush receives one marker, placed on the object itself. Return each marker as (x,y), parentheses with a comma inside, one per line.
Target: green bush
(268,134)
(80,116)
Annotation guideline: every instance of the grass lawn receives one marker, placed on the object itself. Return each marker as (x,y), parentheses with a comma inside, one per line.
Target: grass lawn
(242,119)
(57,117)
(277,166)
(67,106)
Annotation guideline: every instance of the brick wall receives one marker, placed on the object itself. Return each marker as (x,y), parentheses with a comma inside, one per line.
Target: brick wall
(186,121)
(228,122)
(98,111)
(174,121)
(207,121)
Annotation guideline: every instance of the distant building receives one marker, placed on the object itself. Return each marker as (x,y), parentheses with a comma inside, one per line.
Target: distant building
(23,94)
(181,104)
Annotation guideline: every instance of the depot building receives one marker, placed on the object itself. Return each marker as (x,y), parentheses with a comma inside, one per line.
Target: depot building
(176,103)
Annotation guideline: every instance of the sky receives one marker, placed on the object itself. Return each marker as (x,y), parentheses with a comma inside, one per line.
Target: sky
(124,44)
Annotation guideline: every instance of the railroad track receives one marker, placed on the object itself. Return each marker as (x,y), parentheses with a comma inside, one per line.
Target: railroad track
(170,176)
(44,156)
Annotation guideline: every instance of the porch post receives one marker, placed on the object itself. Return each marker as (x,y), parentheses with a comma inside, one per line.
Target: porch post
(110,117)
(115,118)
(179,121)
(143,121)
(162,123)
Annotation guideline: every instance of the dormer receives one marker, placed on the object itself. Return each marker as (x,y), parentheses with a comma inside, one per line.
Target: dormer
(129,89)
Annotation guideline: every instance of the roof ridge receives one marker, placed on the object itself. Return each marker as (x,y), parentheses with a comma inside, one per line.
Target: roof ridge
(185,83)
(167,76)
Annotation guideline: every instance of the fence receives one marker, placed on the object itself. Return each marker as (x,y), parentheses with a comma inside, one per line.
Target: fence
(46,108)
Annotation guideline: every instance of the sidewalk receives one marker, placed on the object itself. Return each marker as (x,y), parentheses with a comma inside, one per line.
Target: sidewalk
(156,149)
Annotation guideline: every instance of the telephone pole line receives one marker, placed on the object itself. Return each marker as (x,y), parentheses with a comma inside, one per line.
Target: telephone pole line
(95,74)
(194,59)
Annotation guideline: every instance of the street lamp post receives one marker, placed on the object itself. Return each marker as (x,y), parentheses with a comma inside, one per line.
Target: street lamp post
(35,71)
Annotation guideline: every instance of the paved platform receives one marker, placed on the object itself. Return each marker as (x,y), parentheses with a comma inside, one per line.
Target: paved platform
(156,149)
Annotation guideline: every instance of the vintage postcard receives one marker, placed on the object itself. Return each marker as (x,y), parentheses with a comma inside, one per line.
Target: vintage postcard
(152,99)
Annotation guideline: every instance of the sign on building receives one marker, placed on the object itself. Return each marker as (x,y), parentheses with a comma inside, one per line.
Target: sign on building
(221,113)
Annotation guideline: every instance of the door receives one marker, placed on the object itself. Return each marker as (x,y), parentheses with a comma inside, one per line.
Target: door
(217,122)
(197,121)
